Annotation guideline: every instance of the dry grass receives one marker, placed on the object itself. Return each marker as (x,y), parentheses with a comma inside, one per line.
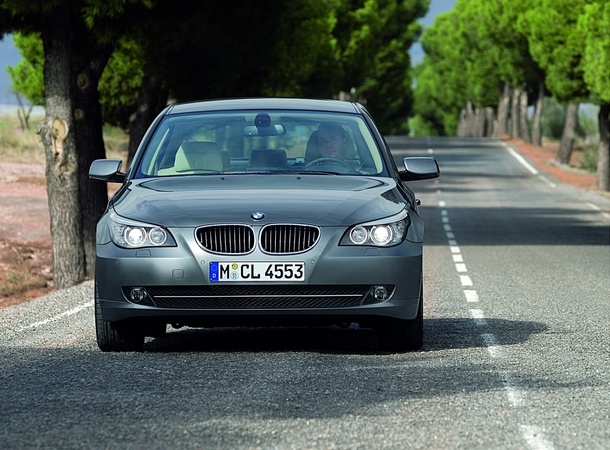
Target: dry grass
(18,145)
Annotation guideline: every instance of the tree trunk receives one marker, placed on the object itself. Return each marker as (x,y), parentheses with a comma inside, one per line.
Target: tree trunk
(478,123)
(514,128)
(150,102)
(93,195)
(72,137)
(503,108)
(536,128)
(23,113)
(603,158)
(490,122)
(523,125)
(57,133)
(462,124)
(567,138)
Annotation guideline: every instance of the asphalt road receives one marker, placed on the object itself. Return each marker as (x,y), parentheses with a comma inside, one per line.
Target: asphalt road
(516,350)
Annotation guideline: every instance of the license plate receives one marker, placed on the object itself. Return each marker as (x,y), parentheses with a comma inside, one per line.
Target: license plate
(257,271)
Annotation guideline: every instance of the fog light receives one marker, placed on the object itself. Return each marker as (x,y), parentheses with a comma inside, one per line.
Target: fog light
(137,294)
(380,293)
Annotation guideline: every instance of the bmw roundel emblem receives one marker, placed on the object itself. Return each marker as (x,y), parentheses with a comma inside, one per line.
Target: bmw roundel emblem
(257,215)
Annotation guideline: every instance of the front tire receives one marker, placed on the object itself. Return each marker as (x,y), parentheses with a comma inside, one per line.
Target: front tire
(404,335)
(117,336)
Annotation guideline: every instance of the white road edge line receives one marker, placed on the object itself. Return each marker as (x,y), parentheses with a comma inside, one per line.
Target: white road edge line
(60,316)
(522,160)
(547,181)
(594,207)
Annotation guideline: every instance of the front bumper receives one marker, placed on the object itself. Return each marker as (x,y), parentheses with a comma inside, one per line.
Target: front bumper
(339,285)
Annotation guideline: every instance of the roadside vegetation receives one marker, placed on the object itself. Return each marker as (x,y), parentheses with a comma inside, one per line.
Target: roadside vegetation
(119,65)
(485,64)
(492,68)
(19,144)
(26,261)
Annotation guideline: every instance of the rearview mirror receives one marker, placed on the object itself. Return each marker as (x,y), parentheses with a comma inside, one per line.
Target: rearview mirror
(271,130)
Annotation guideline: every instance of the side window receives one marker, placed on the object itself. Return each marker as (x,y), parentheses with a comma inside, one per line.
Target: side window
(154,153)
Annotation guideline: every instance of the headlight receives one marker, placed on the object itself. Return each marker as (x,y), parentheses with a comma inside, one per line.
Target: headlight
(378,234)
(131,234)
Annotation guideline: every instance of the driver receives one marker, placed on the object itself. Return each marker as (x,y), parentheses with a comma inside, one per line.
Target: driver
(332,141)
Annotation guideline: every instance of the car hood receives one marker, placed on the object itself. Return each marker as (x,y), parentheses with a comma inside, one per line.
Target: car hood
(323,200)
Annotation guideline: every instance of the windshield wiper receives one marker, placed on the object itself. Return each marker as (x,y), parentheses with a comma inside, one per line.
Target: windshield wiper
(318,172)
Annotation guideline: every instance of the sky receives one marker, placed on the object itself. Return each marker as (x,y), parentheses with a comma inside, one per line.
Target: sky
(436,7)
(9,56)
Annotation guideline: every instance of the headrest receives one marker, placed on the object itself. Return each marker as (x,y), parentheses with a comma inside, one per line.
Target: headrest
(198,155)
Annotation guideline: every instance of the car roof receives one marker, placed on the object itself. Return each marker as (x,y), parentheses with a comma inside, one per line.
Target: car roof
(267,103)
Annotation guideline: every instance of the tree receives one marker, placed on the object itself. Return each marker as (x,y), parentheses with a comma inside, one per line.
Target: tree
(556,44)
(441,89)
(26,75)
(464,70)
(507,47)
(485,63)
(264,47)
(593,25)
(77,40)
(373,37)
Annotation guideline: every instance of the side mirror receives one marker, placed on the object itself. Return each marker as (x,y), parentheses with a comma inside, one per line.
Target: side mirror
(419,168)
(108,170)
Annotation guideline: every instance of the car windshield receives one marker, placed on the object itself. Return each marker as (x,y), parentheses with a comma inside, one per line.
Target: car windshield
(261,141)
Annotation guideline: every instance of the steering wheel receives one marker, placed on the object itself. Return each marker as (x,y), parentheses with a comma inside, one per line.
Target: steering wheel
(332,161)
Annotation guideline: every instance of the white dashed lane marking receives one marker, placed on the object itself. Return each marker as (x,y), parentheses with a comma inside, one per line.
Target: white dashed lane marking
(533,436)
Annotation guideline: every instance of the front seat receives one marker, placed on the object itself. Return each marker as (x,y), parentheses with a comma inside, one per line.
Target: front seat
(194,156)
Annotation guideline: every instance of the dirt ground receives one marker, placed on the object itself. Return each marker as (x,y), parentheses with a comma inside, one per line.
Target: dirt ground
(25,242)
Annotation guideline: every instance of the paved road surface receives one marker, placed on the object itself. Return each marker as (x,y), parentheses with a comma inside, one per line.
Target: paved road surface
(516,351)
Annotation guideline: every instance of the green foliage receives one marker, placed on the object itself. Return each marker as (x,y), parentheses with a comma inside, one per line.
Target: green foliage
(373,37)
(473,50)
(120,83)
(263,48)
(594,24)
(27,75)
(589,158)
(443,85)
(556,44)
